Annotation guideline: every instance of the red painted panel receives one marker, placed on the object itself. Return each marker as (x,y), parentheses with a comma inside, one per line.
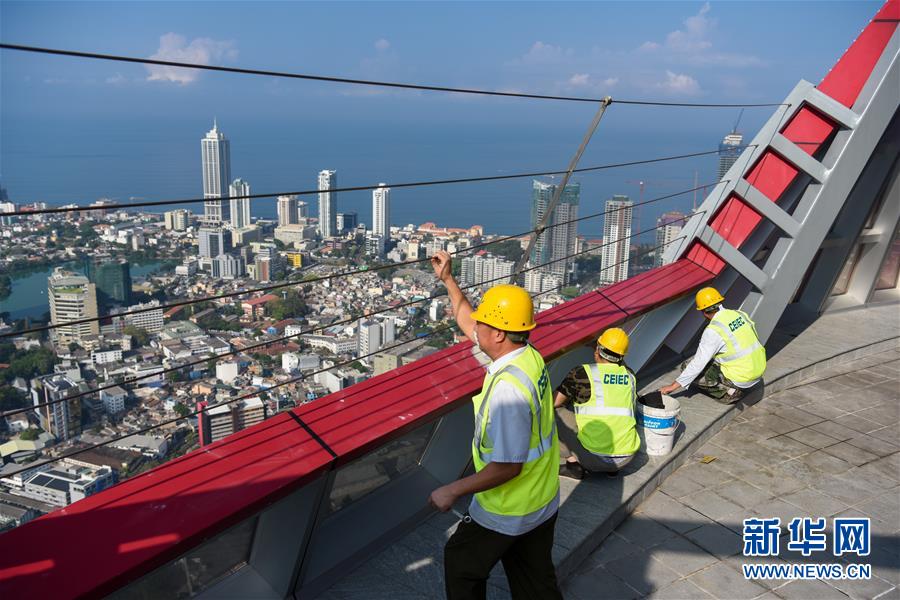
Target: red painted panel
(735,221)
(651,289)
(562,328)
(101,543)
(704,257)
(845,81)
(771,175)
(808,129)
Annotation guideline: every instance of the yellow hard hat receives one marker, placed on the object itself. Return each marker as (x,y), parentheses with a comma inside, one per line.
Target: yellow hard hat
(506,307)
(707,297)
(615,340)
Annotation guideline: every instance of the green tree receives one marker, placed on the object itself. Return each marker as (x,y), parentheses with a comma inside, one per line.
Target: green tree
(30,434)
(182,410)
(5,286)
(11,398)
(36,361)
(508,249)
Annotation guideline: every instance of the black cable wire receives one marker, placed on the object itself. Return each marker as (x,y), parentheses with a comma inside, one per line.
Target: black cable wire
(301,333)
(359,188)
(366,82)
(298,378)
(277,286)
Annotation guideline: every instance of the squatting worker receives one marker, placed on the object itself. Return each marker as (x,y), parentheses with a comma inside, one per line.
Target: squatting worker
(515,451)
(730,355)
(595,411)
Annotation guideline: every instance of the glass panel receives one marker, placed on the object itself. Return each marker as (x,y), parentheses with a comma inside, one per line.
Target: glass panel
(843,280)
(198,569)
(887,277)
(367,474)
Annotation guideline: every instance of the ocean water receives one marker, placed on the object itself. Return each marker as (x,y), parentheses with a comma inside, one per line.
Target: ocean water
(80,160)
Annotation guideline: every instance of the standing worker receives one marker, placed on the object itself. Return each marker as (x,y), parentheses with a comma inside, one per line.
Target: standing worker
(730,355)
(600,434)
(515,451)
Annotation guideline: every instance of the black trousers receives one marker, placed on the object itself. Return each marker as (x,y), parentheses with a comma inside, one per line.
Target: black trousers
(472,551)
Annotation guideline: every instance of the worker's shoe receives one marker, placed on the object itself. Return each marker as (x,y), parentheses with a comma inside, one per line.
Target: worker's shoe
(730,396)
(572,470)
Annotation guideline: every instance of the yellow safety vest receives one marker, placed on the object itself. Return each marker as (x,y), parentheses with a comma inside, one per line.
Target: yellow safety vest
(744,358)
(538,483)
(606,424)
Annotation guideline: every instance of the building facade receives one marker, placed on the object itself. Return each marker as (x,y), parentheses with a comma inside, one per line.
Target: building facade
(72,297)
(729,151)
(668,227)
(213,242)
(215,154)
(327,203)
(558,242)
(239,207)
(381,211)
(614,255)
(286,207)
(112,279)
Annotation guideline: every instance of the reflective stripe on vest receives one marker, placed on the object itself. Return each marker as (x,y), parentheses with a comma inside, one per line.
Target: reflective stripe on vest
(544,441)
(528,498)
(606,423)
(744,358)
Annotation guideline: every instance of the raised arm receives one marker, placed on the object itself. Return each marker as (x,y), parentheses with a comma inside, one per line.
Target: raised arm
(462,309)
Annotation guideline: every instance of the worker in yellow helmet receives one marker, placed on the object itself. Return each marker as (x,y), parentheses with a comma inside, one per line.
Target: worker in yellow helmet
(730,355)
(515,451)
(595,411)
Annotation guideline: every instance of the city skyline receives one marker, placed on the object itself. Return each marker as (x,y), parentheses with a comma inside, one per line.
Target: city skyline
(215,155)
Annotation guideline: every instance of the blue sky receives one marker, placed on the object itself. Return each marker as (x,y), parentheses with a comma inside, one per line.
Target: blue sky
(728,51)
(125,131)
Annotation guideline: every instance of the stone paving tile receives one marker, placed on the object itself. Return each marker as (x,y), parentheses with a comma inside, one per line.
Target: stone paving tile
(817,503)
(642,572)
(722,581)
(845,488)
(743,494)
(812,438)
(853,455)
(806,590)
(864,589)
(613,547)
(644,532)
(838,432)
(799,470)
(799,416)
(778,424)
(778,485)
(824,462)
(883,413)
(682,556)
(680,590)
(826,408)
(883,467)
(717,540)
(705,475)
(885,507)
(671,513)
(678,487)
(874,480)
(857,423)
(733,464)
(889,434)
(784,446)
(874,445)
(598,583)
(712,505)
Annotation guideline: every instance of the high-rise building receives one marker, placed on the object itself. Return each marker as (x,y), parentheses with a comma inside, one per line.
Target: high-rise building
(112,279)
(240,207)
(347,222)
(177,220)
(221,421)
(668,226)
(72,297)
(556,245)
(215,153)
(269,265)
(287,210)
(213,242)
(302,209)
(616,240)
(369,338)
(729,151)
(486,269)
(227,266)
(150,319)
(381,210)
(61,419)
(327,204)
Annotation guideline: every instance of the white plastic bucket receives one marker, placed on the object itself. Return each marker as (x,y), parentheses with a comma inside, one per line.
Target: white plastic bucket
(659,425)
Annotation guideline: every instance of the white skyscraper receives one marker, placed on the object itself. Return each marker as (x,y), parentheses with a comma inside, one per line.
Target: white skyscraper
(488,270)
(616,240)
(240,207)
(72,297)
(327,203)
(729,151)
(381,210)
(216,156)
